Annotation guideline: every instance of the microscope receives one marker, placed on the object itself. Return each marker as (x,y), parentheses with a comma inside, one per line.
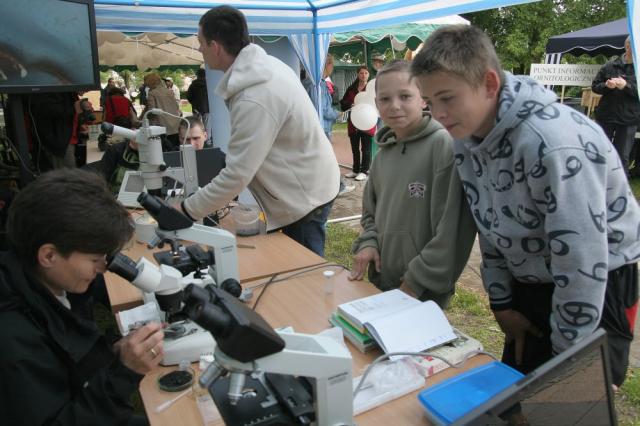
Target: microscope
(258,376)
(152,166)
(165,283)
(263,377)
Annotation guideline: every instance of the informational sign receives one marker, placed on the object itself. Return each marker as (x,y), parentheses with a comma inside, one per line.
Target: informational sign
(564,74)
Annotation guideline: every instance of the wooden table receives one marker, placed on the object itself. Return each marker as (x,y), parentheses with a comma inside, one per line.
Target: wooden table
(301,302)
(272,254)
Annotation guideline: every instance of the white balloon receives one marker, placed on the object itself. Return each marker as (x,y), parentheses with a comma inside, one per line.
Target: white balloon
(370,97)
(371,87)
(361,98)
(364,116)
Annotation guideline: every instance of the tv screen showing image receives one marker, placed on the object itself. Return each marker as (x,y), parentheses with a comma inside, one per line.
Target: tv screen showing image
(48,46)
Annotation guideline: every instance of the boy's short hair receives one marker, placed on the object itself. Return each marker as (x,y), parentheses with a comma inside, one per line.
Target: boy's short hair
(397,65)
(225,25)
(70,208)
(463,50)
(193,122)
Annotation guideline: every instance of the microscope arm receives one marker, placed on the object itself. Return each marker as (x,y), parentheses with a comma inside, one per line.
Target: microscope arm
(319,358)
(223,244)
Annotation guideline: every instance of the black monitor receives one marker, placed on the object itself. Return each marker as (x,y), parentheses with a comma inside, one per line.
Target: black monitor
(209,162)
(48,46)
(573,388)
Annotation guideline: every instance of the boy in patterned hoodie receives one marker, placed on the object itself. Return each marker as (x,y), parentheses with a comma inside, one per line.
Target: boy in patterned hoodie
(417,231)
(557,222)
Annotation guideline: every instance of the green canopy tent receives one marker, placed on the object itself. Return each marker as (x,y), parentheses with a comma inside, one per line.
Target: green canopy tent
(357,46)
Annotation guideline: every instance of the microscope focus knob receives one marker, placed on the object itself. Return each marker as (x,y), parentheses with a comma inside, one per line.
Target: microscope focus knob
(232,287)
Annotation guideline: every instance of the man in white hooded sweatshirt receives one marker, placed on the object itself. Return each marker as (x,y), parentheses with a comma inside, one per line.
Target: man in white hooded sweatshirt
(277,148)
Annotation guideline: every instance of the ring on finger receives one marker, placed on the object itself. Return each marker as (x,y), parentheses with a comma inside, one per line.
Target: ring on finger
(153,352)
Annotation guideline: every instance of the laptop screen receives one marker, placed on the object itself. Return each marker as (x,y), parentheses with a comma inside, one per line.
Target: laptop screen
(573,388)
(134,183)
(209,162)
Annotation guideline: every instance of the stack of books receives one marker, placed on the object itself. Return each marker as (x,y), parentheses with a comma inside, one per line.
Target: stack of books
(359,338)
(397,322)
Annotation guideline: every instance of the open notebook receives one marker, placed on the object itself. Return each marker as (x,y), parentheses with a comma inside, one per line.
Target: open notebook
(399,322)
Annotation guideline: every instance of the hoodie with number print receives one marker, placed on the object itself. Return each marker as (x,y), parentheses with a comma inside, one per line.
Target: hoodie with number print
(414,213)
(552,205)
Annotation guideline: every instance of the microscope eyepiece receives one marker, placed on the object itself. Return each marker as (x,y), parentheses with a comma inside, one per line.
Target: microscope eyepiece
(123,266)
(150,203)
(107,128)
(168,218)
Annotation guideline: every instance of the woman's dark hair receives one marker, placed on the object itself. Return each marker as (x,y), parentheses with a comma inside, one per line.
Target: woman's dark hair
(70,208)
(355,82)
(225,25)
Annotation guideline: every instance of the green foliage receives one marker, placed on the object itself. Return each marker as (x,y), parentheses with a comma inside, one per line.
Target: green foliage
(635,186)
(521,32)
(627,401)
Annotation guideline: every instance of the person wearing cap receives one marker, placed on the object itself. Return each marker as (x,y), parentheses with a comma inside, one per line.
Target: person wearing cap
(377,62)
(176,92)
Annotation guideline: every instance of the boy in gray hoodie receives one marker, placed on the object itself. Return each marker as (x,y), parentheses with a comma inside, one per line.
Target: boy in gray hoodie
(557,222)
(417,230)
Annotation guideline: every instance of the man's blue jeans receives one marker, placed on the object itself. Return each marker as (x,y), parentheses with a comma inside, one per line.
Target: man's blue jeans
(310,231)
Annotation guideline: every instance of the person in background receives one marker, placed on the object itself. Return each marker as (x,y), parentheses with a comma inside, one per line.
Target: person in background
(52,120)
(144,91)
(557,221)
(277,146)
(161,97)
(417,231)
(619,109)
(198,96)
(51,356)
(117,159)
(168,81)
(198,136)
(360,140)
(329,115)
(104,92)
(117,105)
(377,62)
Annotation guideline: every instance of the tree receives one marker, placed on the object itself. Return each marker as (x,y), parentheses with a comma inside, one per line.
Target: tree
(521,33)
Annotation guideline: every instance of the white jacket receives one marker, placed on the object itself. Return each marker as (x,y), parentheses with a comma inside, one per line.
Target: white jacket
(277,147)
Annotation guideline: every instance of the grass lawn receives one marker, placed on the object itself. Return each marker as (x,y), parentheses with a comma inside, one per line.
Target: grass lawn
(469,312)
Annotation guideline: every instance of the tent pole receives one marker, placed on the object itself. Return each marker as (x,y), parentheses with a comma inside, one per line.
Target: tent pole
(562,94)
(364,48)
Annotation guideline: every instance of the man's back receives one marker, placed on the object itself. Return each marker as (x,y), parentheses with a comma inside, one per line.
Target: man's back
(272,116)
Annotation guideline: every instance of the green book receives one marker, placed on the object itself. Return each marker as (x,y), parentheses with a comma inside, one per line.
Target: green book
(363,342)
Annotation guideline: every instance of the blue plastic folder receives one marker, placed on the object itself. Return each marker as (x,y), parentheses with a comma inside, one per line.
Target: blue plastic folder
(453,398)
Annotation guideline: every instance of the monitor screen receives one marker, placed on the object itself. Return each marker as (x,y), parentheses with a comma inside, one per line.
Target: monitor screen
(134,183)
(48,46)
(209,162)
(573,388)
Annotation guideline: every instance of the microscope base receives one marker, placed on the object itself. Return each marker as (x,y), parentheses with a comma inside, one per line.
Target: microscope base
(260,405)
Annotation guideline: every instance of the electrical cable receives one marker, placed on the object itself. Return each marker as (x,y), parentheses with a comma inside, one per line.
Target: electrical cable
(273,279)
(266,285)
(15,148)
(422,354)
(35,131)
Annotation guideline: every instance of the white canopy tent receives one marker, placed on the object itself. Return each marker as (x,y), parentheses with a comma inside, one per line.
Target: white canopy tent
(307,23)
(147,50)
